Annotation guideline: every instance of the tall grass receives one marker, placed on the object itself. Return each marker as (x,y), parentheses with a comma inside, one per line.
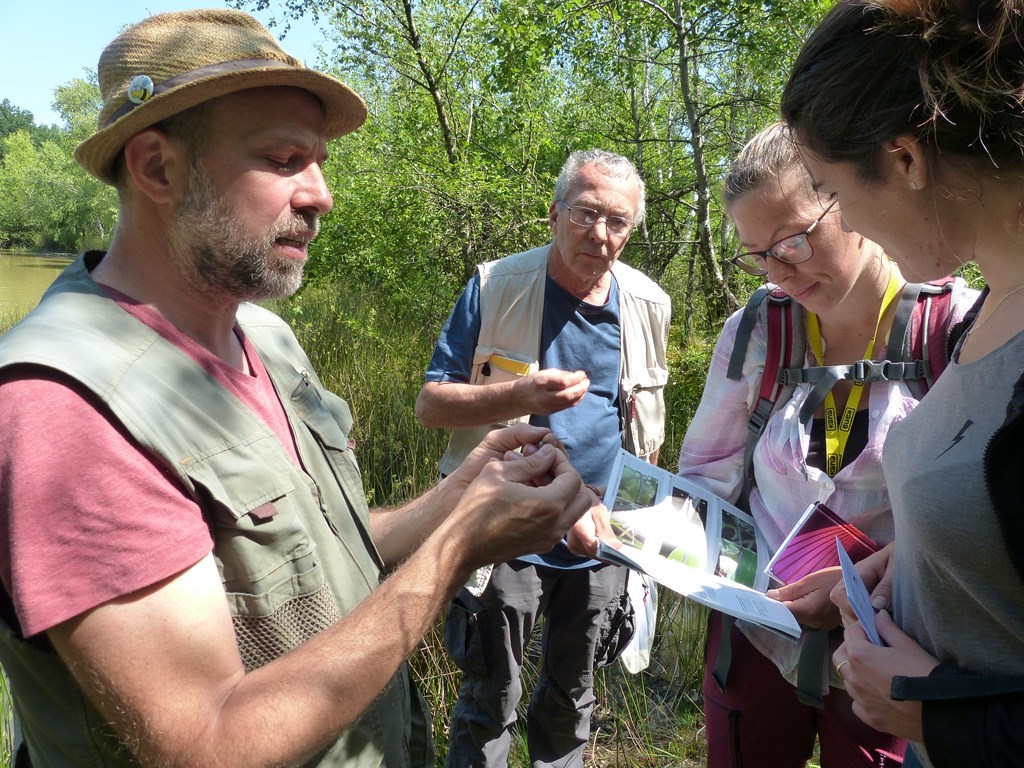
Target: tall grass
(375,358)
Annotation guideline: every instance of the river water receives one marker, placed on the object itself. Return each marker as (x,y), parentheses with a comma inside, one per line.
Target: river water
(24,277)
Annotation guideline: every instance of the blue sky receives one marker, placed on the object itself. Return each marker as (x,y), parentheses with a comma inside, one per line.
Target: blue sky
(45,43)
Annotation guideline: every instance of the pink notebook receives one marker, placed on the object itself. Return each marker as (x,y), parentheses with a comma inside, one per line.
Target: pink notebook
(811,545)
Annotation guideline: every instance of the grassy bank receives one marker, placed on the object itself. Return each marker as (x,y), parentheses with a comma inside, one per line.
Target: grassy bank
(375,358)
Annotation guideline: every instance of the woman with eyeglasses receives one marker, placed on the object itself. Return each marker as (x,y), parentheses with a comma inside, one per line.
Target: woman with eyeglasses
(920,136)
(778,695)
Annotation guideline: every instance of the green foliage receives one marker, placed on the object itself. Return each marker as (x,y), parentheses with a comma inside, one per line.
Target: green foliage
(375,359)
(13,119)
(474,107)
(688,360)
(6,720)
(46,199)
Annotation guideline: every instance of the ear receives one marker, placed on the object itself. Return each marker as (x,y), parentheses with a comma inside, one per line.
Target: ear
(156,164)
(906,158)
(553,215)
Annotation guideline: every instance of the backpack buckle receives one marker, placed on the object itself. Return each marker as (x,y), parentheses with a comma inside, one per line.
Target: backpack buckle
(870,370)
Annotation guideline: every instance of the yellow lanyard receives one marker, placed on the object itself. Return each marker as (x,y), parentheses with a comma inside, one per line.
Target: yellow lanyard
(837,435)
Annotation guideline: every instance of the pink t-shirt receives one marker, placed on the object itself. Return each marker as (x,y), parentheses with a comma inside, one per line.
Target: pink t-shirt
(85,516)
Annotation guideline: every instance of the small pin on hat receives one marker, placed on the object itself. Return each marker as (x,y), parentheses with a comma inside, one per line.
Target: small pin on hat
(140,89)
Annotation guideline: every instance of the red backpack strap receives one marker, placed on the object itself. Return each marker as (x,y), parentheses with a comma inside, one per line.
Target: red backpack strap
(920,331)
(781,328)
(930,331)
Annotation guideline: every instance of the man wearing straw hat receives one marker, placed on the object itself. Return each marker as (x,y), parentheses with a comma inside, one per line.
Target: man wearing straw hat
(190,574)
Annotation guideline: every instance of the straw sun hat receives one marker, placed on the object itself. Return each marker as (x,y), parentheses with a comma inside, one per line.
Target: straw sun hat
(172,61)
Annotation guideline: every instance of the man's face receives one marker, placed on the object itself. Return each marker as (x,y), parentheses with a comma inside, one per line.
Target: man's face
(583,254)
(250,205)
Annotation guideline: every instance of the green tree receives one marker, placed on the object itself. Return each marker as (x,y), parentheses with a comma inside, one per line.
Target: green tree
(46,199)
(455,163)
(14,118)
(475,105)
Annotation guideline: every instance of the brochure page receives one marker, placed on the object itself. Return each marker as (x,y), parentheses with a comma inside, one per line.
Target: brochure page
(691,542)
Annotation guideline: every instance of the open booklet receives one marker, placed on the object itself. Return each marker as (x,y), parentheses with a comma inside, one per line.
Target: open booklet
(690,541)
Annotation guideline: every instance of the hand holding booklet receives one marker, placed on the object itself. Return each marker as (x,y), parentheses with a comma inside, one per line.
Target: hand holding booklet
(690,541)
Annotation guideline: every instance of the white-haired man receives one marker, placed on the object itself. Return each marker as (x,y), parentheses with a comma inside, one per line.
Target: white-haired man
(567,337)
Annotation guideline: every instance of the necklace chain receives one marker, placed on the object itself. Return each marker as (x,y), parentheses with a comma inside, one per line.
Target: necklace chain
(978,323)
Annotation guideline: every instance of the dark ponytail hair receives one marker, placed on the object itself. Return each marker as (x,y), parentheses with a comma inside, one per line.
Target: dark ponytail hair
(948,71)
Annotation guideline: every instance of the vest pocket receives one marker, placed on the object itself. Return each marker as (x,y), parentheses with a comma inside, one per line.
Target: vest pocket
(643,409)
(293,610)
(498,366)
(275,586)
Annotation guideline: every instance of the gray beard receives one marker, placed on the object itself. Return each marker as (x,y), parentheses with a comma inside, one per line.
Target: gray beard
(217,259)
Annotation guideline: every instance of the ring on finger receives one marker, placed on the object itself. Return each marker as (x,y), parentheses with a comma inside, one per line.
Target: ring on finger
(839,667)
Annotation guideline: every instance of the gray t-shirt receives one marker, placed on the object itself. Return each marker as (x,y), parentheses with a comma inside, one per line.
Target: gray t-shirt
(956,590)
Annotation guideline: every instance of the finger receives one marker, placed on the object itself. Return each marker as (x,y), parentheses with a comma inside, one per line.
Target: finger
(548,439)
(602,521)
(517,468)
(881,595)
(514,437)
(578,506)
(552,439)
(889,631)
(839,665)
(842,601)
(582,538)
(854,635)
(559,381)
(785,593)
(839,655)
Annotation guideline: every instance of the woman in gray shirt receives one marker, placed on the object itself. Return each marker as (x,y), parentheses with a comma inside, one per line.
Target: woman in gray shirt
(910,112)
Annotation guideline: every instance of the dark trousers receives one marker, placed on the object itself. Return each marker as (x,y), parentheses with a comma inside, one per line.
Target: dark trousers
(584,611)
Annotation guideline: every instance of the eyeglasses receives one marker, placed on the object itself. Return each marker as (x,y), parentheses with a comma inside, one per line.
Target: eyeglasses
(794,249)
(617,226)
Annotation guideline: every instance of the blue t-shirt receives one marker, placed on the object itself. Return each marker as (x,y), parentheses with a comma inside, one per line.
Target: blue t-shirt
(574,336)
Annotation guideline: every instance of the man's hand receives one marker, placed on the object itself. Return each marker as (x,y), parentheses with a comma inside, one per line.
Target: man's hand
(595,524)
(397,532)
(504,513)
(551,390)
(809,598)
(456,404)
(497,444)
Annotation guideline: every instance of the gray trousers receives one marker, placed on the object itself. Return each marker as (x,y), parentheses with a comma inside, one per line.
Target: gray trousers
(587,621)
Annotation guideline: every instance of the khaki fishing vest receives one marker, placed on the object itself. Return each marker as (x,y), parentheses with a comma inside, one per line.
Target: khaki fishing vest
(293,548)
(508,347)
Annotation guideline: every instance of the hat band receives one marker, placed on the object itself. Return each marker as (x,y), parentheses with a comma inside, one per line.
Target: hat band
(196,74)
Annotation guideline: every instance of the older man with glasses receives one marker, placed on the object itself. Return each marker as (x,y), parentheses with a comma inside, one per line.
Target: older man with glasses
(568,337)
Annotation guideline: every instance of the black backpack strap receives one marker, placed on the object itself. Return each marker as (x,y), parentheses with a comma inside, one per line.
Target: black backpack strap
(723,659)
(947,681)
(899,333)
(900,364)
(810,665)
(910,343)
(747,322)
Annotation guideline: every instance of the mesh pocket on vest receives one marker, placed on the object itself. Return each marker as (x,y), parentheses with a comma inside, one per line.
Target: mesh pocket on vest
(262,639)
